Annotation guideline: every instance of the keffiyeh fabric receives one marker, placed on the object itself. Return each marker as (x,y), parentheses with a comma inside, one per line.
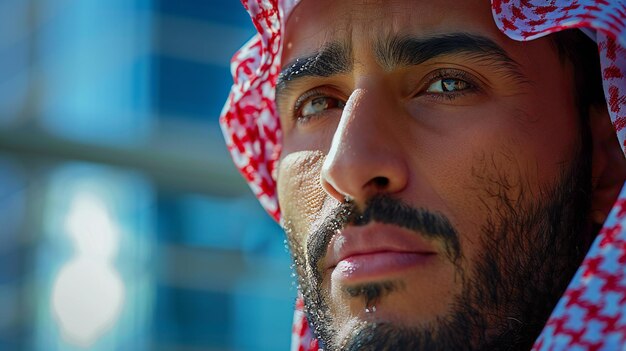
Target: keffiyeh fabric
(591,315)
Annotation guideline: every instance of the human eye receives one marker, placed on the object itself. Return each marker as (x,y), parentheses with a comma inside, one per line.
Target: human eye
(315,104)
(447,85)
(450,84)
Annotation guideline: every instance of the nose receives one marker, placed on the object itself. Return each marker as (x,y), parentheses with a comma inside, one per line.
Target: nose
(366,157)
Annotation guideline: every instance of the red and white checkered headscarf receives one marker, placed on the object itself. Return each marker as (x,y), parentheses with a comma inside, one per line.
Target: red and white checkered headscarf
(591,315)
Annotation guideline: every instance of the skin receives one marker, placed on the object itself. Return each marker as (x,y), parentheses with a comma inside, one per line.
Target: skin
(454,153)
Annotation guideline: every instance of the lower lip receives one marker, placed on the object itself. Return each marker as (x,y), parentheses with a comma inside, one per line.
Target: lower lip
(377,265)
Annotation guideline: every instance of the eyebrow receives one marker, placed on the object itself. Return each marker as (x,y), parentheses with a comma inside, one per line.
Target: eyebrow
(410,51)
(331,60)
(401,51)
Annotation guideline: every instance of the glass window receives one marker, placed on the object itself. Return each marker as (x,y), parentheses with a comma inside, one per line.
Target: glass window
(15,74)
(125,225)
(94,62)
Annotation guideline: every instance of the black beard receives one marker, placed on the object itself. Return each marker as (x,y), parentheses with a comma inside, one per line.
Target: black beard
(530,251)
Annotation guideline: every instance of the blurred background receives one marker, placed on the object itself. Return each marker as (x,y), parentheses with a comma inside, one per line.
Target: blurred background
(123,224)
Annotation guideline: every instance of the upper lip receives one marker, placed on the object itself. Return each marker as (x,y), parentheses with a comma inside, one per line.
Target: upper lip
(373,238)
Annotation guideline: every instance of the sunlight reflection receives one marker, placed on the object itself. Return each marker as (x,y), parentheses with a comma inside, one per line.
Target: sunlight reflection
(88,293)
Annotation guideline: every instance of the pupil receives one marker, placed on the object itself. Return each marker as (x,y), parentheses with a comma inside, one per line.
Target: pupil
(319,103)
(450,84)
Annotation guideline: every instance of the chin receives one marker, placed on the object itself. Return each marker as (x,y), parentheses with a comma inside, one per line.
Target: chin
(395,304)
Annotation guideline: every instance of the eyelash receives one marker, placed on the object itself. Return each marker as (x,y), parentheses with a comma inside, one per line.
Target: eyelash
(440,74)
(305,98)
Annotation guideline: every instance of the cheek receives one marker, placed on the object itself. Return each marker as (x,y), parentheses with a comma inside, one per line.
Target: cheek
(302,199)
(501,151)
(299,186)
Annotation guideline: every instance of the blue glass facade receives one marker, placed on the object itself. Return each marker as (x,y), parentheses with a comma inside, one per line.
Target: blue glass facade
(124,224)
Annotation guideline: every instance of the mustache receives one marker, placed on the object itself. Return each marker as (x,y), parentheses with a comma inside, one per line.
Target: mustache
(387,210)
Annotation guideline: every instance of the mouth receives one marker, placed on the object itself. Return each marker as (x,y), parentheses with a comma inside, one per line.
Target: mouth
(377,265)
(375,251)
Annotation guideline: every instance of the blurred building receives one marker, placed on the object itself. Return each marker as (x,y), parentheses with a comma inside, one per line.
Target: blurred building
(123,224)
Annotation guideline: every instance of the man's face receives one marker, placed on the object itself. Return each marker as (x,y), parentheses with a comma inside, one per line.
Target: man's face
(432,177)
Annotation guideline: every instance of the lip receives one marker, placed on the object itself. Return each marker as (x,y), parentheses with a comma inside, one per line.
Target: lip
(375,250)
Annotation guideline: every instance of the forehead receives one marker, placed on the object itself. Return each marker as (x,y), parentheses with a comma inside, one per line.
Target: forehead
(360,23)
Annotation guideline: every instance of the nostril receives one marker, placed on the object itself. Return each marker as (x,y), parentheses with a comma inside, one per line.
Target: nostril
(381,182)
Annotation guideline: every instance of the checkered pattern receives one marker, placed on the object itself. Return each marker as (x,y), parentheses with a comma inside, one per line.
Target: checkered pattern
(531,19)
(592,313)
(249,119)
